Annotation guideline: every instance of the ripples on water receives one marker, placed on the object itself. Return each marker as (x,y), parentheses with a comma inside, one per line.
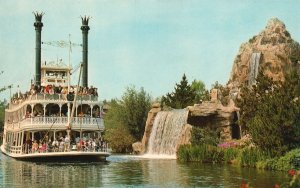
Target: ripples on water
(130,171)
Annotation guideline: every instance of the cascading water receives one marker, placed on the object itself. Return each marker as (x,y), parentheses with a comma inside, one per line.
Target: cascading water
(254,63)
(166,132)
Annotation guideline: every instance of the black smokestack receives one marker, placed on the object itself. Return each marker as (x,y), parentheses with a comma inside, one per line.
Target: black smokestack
(85,30)
(38,24)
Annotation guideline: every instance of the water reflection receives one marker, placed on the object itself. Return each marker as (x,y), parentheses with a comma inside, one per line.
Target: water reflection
(131,171)
(229,176)
(27,174)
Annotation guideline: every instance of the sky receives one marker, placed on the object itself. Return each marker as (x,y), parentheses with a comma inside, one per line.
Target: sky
(139,43)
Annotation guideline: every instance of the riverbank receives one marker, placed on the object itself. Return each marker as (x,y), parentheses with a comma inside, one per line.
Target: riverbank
(243,157)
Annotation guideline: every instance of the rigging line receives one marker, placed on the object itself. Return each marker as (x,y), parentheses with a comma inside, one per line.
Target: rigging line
(81,118)
(49,129)
(75,68)
(69,126)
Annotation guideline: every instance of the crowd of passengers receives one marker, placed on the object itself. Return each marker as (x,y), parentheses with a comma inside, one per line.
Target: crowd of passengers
(95,114)
(64,144)
(52,89)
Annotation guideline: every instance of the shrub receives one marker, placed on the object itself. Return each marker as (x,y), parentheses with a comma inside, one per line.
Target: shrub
(285,162)
(204,136)
(119,139)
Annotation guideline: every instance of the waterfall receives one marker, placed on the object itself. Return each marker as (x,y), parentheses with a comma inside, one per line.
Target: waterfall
(254,63)
(166,132)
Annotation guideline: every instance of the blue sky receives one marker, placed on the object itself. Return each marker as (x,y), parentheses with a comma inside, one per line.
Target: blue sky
(147,44)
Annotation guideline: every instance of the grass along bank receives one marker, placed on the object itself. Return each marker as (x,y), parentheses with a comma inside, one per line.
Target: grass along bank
(244,157)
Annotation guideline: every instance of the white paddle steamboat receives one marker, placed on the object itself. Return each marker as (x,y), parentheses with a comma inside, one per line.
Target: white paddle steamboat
(54,120)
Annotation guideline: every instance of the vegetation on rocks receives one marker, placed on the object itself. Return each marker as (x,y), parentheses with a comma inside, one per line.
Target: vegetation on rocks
(204,136)
(223,94)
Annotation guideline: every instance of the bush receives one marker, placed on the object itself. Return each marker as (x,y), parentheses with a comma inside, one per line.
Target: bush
(285,162)
(204,136)
(119,139)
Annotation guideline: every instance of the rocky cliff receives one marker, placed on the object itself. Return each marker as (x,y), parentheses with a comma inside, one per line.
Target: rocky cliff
(273,49)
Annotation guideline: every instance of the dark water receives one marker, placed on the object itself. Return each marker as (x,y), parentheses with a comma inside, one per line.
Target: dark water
(127,171)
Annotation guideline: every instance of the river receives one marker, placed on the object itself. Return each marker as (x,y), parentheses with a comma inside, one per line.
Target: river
(130,171)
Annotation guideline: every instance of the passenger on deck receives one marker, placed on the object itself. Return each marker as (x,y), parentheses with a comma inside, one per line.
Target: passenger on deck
(43,148)
(55,145)
(67,144)
(61,145)
(71,91)
(51,90)
(28,146)
(35,146)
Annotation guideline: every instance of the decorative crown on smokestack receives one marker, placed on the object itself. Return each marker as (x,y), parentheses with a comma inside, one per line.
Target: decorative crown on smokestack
(38,19)
(85,23)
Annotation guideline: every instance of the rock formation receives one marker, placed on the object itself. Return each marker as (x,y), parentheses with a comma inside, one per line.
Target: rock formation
(210,114)
(214,115)
(139,148)
(274,50)
(185,135)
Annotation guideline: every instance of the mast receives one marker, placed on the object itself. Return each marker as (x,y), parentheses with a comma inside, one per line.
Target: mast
(38,24)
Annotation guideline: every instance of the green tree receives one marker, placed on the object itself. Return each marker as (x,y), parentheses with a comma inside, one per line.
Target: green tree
(201,93)
(126,118)
(119,139)
(2,114)
(270,111)
(182,97)
(136,105)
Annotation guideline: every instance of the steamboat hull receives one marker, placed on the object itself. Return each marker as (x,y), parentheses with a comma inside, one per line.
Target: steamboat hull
(60,156)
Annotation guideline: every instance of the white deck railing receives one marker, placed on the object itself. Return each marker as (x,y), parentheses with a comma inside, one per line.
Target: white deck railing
(57,122)
(26,149)
(52,98)
(13,149)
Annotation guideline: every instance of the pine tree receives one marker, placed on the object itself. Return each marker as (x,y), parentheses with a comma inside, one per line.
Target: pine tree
(182,97)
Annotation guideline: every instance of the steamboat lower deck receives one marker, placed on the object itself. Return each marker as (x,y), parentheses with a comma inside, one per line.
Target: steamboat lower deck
(60,156)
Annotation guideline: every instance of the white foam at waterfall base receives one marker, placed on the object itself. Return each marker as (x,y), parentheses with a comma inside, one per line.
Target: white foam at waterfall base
(165,134)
